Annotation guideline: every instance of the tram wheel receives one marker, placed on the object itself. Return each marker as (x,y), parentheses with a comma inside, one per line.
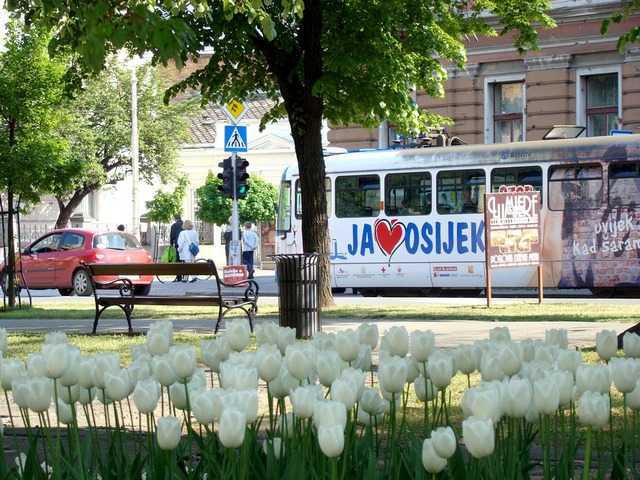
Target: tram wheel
(603,292)
(368,292)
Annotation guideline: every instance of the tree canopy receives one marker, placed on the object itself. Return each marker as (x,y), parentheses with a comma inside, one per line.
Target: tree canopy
(259,206)
(100,128)
(629,10)
(347,62)
(33,159)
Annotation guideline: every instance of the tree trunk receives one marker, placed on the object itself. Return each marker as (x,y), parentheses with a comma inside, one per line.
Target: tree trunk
(67,210)
(11,251)
(305,110)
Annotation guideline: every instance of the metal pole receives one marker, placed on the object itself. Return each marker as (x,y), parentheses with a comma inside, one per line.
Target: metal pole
(134,152)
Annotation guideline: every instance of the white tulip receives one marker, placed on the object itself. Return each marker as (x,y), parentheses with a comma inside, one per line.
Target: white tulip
(546,396)
(631,344)
(56,359)
(368,334)
(422,345)
(596,378)
(214,352)
(633,397)
(331,440)
(328,412)
(117,384)
(440,369)
(168,432)
(431,461)
(146,395)
(300,360)
(499,334)
(238,377)
(625,372)
(425,390)
(303,400)
(569,360)
(396,341)
(162,369)
(594,409)
(343,391)
(347,345)
(327,367)
(285,336)
(519,397)
(183,360)
(238,333)
(232,427)
(266,333)
(606,344)
(268,360)
(444,441)
(392,374)
(557,336)
(479,436)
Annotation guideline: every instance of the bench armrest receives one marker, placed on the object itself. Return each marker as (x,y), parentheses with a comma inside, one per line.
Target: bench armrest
(252,290)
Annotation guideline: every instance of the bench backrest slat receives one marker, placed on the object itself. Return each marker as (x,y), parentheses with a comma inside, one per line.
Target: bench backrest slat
(194,268)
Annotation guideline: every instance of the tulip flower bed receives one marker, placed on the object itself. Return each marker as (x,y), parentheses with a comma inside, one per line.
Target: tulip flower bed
(322,409)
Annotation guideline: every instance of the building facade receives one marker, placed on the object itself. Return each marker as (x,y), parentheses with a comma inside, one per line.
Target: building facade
(577,77)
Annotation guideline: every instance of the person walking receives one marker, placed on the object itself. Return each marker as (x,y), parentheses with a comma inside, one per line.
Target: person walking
(187,237)
(174,232)
(249,245)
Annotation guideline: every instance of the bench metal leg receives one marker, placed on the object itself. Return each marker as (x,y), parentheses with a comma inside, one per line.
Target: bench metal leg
(127,309)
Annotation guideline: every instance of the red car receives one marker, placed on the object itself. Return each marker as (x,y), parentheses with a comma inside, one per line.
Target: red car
(53,260)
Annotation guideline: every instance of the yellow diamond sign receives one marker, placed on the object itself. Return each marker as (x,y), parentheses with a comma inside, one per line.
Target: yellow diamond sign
(235,110)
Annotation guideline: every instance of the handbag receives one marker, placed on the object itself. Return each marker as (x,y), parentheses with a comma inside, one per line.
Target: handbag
(169,255)
(194,249)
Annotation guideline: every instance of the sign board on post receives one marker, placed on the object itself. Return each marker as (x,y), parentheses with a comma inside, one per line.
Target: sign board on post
(234,273)
(235,138)
(235,110)
(512,230)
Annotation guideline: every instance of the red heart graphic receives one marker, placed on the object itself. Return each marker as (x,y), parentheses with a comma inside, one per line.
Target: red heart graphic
(389,235)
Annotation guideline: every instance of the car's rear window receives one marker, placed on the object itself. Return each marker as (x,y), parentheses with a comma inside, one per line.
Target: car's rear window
(119,241)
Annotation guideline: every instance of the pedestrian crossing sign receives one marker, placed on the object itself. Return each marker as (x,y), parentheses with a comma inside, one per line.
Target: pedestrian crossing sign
(235,138)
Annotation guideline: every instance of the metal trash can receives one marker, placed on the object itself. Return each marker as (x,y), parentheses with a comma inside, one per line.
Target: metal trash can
(298,277)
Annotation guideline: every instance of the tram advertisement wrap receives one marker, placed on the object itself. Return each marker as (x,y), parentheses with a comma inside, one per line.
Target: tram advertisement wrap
(512,222)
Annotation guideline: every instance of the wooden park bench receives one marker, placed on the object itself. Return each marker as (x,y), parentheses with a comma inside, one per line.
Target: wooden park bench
(225,296)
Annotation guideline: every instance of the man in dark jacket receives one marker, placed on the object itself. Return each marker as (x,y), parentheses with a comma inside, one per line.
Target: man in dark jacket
(176,228)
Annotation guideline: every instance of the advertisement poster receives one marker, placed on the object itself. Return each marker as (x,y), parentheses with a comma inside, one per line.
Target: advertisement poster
(512,226)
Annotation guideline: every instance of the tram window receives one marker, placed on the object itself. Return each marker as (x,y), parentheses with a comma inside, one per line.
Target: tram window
(517,177)
(327,190)
(283,217)
(358,196)
(575,187)
(460,191)
(624,184)
(407,193)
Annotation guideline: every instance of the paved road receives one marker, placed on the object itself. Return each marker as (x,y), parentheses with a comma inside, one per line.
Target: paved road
(448,333)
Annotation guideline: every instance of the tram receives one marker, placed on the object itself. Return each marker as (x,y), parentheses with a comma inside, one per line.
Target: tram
(411,221)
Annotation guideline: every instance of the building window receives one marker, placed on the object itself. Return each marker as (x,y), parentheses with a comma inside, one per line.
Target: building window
(601,104)
(508,112)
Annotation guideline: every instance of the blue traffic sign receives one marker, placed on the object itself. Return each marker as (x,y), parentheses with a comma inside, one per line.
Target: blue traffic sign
(235,138)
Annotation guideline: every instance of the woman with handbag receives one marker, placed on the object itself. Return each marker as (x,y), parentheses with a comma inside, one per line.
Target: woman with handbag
(188,245)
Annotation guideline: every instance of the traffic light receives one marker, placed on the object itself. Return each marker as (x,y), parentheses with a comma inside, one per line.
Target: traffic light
(241,178)
(227,178)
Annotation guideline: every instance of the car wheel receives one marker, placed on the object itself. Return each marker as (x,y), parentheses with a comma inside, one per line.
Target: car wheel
(66,292)
(142,289)
(82,284)
(4,281)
